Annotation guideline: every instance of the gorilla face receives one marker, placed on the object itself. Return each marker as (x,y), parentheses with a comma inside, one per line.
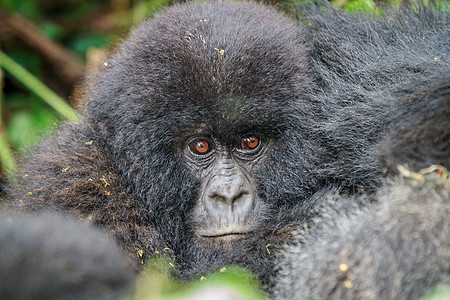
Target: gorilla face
(202,113)
(228,205)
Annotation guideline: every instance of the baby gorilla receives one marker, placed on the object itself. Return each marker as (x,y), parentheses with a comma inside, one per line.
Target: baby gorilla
(216,129)
(197,137)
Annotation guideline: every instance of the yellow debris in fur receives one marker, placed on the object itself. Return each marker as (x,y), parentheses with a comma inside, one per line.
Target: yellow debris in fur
(104,181)
(220,51)
(343,267)
(348,284)
(140,252)
(420,176)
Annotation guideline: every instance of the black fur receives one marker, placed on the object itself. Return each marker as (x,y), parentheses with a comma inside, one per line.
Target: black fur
(421,136)
(329,92)
(369,67)
(46,256)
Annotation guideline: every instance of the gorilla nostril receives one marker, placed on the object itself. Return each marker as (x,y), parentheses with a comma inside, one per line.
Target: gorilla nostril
(240,196)
(218,197)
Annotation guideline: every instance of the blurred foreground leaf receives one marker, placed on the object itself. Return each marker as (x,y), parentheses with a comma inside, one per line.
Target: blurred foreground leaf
(440,292)
(6,158)
(227,283)
(362,5)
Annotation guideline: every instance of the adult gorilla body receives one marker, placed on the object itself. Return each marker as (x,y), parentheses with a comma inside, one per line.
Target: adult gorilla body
(216,128)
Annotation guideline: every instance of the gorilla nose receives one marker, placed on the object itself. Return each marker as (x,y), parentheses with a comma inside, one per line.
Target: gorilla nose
(232,191)
(229,198)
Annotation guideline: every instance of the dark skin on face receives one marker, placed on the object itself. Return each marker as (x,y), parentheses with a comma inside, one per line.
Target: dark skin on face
(228,202)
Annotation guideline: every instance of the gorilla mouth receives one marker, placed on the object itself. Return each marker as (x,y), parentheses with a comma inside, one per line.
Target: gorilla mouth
(226,236)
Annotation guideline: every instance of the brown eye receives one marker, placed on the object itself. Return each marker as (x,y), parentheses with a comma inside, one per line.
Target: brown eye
(199,147)
(249,143)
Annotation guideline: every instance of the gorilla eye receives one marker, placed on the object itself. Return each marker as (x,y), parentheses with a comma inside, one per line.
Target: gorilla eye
(249,143)
(199,147)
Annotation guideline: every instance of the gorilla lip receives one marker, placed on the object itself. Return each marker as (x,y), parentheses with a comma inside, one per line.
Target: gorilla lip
(227,235)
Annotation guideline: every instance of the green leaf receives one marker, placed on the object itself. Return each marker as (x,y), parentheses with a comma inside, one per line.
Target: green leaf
(362,5)
(80,44)
(439,292)
(37,87)
(26,8)
(52,31)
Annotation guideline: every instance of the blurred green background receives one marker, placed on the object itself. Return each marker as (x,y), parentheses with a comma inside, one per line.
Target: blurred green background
(57,42)
(48,43)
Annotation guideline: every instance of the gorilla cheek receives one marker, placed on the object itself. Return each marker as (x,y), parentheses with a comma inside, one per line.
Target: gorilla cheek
(227,205)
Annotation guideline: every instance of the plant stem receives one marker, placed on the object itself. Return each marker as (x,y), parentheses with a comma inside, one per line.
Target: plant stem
(37,87)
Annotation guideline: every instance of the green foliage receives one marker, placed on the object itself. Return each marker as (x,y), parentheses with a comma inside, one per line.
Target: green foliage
(6,158)
(362,5)
(26,8)
(155,283)
(80,44)
(440,292)
(37,87)
(52,31)
(145,9)
(26,127)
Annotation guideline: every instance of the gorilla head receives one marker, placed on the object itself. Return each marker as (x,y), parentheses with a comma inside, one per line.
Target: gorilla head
(201,111)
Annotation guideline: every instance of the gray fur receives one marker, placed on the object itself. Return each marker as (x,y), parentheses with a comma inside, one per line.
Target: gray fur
(397,248)
(46,256)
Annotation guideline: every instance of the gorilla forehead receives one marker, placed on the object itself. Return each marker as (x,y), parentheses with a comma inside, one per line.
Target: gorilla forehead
(203,53)
(232,117)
